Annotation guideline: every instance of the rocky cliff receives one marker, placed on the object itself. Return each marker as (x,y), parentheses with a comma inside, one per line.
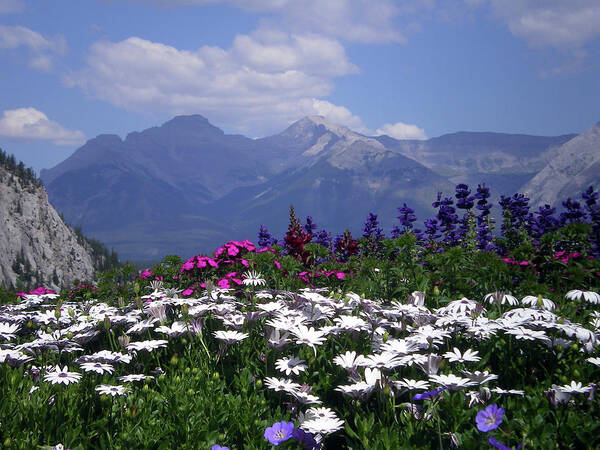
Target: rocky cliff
(575,167)
(36,246)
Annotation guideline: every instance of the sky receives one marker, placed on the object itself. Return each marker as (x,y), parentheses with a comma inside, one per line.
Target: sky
(413,69)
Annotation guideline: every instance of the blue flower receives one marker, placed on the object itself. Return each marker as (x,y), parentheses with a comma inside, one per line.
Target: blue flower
(218,447)
(501,446)
(489,418)
(429,394)
(279,432)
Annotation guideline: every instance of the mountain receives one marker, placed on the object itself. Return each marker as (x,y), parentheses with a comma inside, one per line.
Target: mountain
(36,246)
(572,170)
(338,177)
(504,162)
(186,187)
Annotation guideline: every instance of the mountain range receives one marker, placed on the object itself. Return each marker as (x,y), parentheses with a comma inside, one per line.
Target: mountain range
(186,187)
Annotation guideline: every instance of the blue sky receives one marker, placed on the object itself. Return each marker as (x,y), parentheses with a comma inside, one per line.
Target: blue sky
(74,69)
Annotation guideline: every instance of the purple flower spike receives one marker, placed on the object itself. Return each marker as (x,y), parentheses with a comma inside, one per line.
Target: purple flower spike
(279,432)
(489,418)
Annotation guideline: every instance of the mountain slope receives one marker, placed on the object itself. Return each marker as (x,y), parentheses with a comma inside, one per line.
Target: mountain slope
(575,167)
(504,162)
(36,246)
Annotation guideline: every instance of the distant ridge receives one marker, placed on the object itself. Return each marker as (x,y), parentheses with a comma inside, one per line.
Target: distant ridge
(186,186)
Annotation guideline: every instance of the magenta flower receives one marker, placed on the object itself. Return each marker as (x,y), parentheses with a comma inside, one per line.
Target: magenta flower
(279,432)
(188,292)
(489,418)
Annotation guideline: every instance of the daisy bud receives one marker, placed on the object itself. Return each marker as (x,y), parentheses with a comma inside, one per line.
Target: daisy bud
(106,323)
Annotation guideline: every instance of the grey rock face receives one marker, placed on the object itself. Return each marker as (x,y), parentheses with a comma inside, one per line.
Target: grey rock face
(34,240)
(573,169)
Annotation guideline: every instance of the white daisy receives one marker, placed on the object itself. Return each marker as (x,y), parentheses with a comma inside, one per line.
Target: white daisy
(588,296)
(501,391)
(230,337)
(456,356)
(252,278)
(411,384)
(58,375)
(290,365)
(501,298)
(147,345)
(594,360)
(539,301)
(107,389)
(8,330)
(135,377)
(309,336)
(451,381)
(176,329)
(279,384)
(576,387)
(97,367)
(322,425)
(349,360)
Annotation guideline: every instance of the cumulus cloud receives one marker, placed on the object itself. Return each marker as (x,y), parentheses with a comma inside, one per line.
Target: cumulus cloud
(11,6)
(353,20)
(401,130)
(29,123)
(42,50)
(264,78)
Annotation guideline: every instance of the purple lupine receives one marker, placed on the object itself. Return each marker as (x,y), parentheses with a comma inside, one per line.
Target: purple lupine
(371,228)
(464,200)
(323,238)
(447,218)
(310,226)
(515,210)
(264,237)
(432,229)
(545,221)
(406,218)
(593,209)
(574,213)
(484,233)
(372,234)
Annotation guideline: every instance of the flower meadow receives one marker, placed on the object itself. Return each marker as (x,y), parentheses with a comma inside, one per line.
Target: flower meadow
(460,335)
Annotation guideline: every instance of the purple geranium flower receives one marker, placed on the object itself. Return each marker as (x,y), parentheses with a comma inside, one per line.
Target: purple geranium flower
(429,394)
(279,432)
(489,418)
(305,439)
(501,446)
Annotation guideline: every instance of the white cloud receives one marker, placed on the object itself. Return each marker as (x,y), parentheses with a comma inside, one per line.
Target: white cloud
(353,20)
(11,6)
(29,123)
(257,85)
(333,113)
(556,23)
(42,50)
(401,130)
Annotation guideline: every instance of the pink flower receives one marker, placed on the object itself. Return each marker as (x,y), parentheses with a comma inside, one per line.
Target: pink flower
(223,283)
(244,263)
(188,265)
(189,291)
(277,264)
(145,274)
(340,275)
(524,263)
(233,250)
